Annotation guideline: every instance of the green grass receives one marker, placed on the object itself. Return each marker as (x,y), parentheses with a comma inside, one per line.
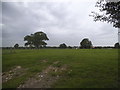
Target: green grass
(87,68)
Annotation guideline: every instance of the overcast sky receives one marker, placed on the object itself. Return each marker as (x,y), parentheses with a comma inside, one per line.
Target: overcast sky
(63,22)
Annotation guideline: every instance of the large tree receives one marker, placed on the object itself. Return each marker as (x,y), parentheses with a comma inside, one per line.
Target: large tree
(63,45)
(110,12)
(117,45)
(85,43)
(37,39)
(16,46)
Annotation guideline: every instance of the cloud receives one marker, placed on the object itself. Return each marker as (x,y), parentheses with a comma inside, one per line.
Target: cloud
(67,22)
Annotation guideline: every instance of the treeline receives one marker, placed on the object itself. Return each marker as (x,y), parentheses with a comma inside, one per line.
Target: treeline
(68,47)
(37,41)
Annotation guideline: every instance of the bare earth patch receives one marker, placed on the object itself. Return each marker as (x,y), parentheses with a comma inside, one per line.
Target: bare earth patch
(17,71)
(44,79)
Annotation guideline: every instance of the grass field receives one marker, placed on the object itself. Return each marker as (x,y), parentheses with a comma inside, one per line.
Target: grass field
(86,68)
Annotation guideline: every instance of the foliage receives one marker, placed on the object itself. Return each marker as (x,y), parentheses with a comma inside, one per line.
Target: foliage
(111,12)
(16,46)
(37,39)
(63,45)
(85,43)
(117,45)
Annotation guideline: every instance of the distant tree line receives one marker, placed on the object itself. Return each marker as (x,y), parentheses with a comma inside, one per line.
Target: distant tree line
(64,46)
(57,47)
(37,41)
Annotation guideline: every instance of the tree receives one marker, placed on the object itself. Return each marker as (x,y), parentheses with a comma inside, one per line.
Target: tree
(63,45)
(85,43)
(37,39)
(29,39)
(117,45)
(16,46)
(111,12)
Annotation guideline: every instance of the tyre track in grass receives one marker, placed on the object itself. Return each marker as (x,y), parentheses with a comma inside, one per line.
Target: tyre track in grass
(46,78)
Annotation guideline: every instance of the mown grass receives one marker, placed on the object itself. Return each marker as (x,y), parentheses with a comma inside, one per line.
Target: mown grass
(87,68)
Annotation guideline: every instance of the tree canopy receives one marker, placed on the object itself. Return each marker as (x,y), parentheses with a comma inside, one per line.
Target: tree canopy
(36,40)
(16,46)
(85,43)
(110,12)
(117,45)
(63,45)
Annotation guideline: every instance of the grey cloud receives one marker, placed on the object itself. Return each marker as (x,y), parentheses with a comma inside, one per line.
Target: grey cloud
(63,22)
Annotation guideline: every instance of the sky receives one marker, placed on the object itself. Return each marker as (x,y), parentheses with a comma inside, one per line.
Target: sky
(63,22)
